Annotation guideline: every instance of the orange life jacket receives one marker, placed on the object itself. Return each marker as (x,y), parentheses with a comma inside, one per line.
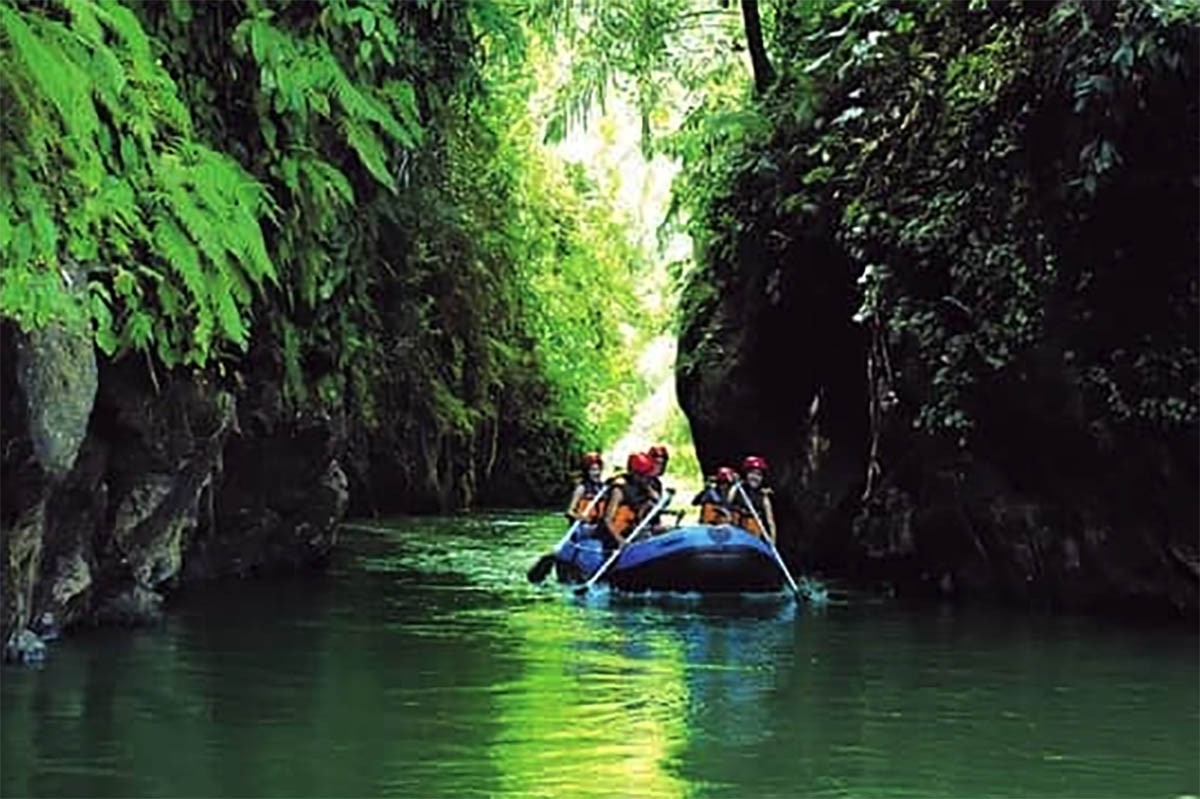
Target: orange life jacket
(742,515)
(590,490)
(629,512)
(713,507)
(746,522)
(623,519)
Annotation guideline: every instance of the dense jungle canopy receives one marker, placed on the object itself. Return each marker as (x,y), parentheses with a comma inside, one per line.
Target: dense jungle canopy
(344,205)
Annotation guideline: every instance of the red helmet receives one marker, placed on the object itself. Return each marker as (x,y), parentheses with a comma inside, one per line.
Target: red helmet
(725,474)
(640,463)
(754,462)
(659,451)
(592,459)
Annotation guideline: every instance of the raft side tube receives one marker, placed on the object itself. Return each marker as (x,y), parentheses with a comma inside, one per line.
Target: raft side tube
(704,558)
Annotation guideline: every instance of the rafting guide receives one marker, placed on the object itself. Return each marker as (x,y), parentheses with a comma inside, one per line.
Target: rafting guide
(751,500)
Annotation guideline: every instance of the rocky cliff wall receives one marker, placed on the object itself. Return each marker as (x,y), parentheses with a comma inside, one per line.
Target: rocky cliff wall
(115,486)
(967,345)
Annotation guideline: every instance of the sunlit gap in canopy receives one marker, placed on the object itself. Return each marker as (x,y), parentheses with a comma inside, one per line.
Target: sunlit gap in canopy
(608,148)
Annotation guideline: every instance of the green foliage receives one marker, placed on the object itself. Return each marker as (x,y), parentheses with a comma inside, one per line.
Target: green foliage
(574,267)
(412,247)
(345,200)
(684,465)
(651,51)
(902,129)
(581,270)
(101,174)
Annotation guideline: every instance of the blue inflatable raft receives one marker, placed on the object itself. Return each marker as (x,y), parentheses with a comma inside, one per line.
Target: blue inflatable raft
(706,558)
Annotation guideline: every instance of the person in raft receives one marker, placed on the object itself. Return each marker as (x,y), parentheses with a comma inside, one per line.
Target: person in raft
(660,455)
(714,499)
(629,499)
(589,486)
(754,470)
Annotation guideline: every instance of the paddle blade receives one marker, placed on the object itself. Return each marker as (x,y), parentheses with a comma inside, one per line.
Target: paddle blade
(541,568)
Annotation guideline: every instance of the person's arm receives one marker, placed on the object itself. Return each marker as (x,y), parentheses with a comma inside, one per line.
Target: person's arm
(653,492)
(571,514)
(615,497)
(770,514)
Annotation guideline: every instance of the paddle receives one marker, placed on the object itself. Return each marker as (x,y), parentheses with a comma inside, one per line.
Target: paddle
(767,537)
(662,503)
(541,567)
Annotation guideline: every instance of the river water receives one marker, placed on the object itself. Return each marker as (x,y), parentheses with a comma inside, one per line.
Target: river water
(424,665)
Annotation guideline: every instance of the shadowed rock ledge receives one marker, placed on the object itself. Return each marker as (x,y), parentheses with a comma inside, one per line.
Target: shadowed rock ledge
(116,488)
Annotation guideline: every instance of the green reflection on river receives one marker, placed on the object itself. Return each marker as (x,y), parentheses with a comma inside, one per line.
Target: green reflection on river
(424,665)
(610,692)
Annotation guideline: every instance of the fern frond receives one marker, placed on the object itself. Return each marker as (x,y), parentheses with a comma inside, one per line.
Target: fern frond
(6,229)
(83,20)
(58,78)
(228,315)
(125,25)
(370,151)
(249,247)
(361,106)
(326,180)
(167,338)
(106,337)
(499,25)
(109,78)
(138,329)
(216,179)
(207,232)
(178,251)
(403,98)
(115,203)
(160,96)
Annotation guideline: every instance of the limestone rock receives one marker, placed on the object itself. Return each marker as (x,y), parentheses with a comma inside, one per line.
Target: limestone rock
(133,606)
(25,647)
(57,374)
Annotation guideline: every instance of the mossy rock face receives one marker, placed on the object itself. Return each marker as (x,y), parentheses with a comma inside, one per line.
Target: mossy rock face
(161,485)
(57,374)
(954,301)
(49,391)
(771,364)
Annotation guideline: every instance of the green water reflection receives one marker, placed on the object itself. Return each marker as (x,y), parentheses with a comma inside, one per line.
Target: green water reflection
(424,665)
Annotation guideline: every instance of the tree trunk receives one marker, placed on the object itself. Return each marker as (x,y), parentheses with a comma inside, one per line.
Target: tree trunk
(764,75)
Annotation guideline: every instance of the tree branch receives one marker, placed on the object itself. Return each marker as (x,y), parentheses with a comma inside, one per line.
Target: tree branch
(764,74)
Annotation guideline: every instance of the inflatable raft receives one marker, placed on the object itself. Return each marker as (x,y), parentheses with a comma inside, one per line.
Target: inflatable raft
(706,558)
